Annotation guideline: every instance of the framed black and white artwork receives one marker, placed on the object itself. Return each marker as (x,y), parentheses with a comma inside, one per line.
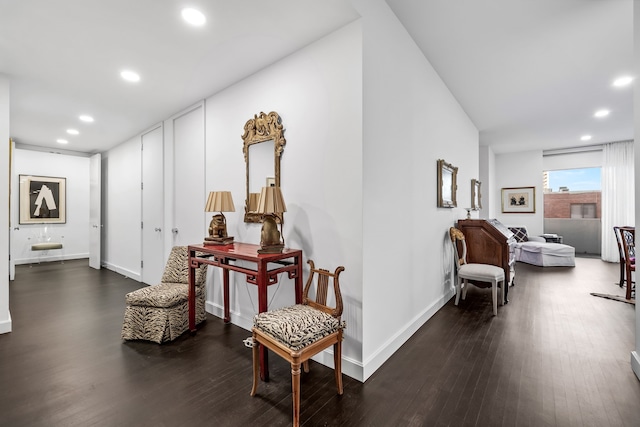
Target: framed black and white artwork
(43,200)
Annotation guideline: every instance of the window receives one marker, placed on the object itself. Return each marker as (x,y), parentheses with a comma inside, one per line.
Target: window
(572,206)
(572,193)
(583,210)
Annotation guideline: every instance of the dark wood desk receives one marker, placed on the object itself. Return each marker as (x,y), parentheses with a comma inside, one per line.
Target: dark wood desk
(289,261)
(490,242)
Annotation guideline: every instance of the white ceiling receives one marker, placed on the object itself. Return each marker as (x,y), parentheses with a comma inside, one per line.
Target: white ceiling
(63,59)
(529,73)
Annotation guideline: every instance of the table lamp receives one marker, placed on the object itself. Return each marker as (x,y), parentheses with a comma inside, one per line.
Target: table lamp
(219,201)
(271,203)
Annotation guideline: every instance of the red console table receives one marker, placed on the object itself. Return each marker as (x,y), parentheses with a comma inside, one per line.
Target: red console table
(289,261)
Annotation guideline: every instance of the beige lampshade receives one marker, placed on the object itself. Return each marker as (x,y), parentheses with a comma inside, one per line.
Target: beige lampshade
(271,201)
(253,201)
(220,201)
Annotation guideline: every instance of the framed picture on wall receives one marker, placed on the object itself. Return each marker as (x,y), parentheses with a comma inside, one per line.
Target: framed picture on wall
(519,200)
(43,200)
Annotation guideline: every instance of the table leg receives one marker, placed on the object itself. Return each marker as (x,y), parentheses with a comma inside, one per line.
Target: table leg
(225,291)
(298,280)
(192,291)
(262,307)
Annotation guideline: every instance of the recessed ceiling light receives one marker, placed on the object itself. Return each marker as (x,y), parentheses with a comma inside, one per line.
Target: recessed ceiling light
(585,137)
(622,81)
(194,17)
(62,141)
(601,113)
(130,76)
(72,132)
(86,118)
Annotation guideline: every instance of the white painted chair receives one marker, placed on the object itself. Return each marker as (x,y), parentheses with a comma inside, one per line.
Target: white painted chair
(485,273)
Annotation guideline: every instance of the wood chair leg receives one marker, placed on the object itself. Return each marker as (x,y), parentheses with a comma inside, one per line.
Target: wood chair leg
(465,286)
(458,290)
(295,391)
(256,366)
(305,366)
(502,291)
(337,364)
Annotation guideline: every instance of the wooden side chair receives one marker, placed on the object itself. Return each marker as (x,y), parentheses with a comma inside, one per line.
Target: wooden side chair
(485,273)
(616,231)
(627,235)
(298,332)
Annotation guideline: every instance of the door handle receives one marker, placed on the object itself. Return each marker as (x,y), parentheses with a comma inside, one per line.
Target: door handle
(174,230)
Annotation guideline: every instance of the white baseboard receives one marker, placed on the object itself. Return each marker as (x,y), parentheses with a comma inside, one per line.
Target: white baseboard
(392,345)
(6,325)
(238,320)
(123,271)
(50,258)
(350,367)
(635,363)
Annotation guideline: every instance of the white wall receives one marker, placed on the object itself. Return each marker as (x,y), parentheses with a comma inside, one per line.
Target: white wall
(522,169)
(410,121)
(318,94)
(121,178)
(5,315)
(635,355)
(487,178)
(366,118)
(74,234)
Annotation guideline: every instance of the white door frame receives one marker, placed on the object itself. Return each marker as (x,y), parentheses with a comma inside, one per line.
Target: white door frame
(95,211)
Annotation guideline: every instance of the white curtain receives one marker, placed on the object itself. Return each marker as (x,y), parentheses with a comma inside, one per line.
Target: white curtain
(618,197)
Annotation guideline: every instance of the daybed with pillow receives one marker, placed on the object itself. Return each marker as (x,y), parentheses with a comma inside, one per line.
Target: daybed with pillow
(537,251)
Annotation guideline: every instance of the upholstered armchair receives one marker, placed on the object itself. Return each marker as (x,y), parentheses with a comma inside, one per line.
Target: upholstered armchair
(160,313)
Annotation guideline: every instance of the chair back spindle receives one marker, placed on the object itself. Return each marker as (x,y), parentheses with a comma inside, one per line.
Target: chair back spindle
(322,290)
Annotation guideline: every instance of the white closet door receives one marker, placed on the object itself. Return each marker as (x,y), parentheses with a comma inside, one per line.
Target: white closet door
(189,165)
(152,206)
(95,218)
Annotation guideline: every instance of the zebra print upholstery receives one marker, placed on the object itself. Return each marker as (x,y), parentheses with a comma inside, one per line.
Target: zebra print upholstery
(160,313)
(297,326)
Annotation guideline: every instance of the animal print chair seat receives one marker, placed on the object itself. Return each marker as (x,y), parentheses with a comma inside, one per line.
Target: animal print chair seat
(160,313)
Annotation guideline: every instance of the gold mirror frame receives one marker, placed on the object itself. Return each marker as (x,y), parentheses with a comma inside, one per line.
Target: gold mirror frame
(476,196)
(262,128)
(447,185)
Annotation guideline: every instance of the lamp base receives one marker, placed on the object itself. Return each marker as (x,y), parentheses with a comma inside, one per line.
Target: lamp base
(218,241)
(271,249)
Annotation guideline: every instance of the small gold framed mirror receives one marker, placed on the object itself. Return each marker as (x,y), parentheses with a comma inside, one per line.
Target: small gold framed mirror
(447,185)
(476,196)
(263,146)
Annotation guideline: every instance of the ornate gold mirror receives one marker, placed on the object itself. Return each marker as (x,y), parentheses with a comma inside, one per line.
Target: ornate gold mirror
(476,196)
(447,184)
(263,145)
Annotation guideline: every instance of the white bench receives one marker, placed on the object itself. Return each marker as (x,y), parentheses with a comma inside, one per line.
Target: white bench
(44,243)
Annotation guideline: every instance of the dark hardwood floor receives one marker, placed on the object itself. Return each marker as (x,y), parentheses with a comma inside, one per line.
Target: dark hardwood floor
(554,356)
